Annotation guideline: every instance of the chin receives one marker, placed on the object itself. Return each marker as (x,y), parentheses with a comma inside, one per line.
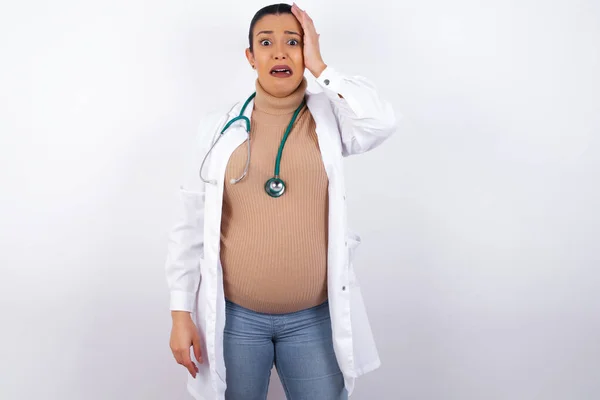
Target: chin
(293,80)
(283,87)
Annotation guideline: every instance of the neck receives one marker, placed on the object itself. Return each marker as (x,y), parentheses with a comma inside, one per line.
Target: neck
(269,104)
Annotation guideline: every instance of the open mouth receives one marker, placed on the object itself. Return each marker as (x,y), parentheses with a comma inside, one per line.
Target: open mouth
(281,71)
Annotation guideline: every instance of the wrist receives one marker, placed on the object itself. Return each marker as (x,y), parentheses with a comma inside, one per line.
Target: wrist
(317,71)
(180,315)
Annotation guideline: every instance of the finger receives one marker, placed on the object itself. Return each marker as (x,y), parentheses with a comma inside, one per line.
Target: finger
(191,368)
(197,350)
(187,362)
(301,13)
(307,21)
(298,14)
(304,13)
(177,357)
(176,354)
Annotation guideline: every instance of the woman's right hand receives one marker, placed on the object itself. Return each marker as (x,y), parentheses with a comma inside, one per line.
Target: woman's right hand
(183,335)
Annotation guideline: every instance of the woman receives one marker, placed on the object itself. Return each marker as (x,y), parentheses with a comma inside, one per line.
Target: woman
(260,264)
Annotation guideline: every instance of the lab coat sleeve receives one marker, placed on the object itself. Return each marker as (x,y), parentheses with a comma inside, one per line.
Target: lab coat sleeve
(186,238)
(364,119)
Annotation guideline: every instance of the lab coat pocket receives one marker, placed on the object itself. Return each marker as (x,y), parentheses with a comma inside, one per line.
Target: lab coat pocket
(192,227)
(191,194)
(192,210)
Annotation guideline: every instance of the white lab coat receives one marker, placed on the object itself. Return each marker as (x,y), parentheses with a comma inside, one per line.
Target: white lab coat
(356,123)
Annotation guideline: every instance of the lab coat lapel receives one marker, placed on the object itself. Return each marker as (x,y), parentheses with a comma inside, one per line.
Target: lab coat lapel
(320,119)
(212,277)
(233,137)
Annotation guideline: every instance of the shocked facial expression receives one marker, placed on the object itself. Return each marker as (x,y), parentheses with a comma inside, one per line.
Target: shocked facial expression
(277,53)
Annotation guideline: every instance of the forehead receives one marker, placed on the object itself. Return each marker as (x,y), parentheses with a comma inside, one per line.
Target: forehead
(278,24)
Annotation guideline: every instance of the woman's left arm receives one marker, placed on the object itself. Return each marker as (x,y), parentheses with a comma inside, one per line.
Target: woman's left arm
(364,119)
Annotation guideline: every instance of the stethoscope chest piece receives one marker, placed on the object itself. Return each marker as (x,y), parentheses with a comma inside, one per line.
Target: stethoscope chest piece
(275,187)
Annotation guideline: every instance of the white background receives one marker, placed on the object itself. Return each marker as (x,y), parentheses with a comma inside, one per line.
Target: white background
(479,218)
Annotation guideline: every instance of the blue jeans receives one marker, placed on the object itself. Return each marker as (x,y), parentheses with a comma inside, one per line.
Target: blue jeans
(299,344)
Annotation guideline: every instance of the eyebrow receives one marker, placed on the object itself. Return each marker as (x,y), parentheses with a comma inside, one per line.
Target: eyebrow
(286,32)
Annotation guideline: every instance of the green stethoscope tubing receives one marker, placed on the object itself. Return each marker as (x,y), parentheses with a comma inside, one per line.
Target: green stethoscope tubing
(275,186)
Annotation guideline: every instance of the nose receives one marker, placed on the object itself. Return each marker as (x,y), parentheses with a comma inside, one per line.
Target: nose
(279,53)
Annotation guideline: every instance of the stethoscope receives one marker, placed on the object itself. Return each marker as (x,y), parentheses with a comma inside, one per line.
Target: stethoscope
(275,186)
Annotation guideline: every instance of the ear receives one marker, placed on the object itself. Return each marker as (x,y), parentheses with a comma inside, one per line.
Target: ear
(250,57)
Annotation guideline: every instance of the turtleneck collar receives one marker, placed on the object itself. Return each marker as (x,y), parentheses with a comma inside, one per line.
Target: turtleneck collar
(270,104)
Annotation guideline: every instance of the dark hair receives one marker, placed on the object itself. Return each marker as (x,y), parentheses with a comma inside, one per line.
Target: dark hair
(273,9)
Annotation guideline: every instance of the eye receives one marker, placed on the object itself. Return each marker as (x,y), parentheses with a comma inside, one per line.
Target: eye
(295,42)
(263,41)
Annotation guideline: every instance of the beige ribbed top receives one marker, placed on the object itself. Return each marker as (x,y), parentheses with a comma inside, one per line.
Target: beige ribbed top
(274,250)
